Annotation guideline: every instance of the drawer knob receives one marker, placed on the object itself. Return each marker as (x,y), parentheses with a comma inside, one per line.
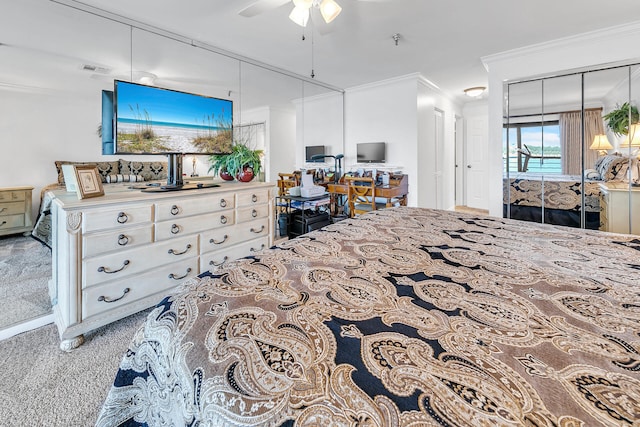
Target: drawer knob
(256,250)
(174,277)
(107,299)
(254,213)
(122,218)
(175,228)
(174,210)
(219,263)
(223,219)
(171,251)
(2,223)
(219,242)
(253,230)
(123,240)
(108,271)
(223,203)
(254,198)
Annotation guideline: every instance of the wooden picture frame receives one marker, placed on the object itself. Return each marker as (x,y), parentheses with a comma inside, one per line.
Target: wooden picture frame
(88,182)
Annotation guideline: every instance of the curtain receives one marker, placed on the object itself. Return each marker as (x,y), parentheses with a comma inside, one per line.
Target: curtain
(571,139)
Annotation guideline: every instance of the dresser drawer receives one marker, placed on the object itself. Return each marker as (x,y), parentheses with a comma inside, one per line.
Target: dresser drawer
(249,214)
(212,260)
(11,208)
(215,240)
(132,261)
(109,241)
(116,218)
(106,297)
(193,206)
(11,221)
(13,196)
(183,226)
(251,198)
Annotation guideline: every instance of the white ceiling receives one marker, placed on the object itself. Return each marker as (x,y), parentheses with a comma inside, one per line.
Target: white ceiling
(443,40)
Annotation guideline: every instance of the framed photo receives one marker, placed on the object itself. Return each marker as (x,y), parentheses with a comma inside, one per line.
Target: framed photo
(88,182)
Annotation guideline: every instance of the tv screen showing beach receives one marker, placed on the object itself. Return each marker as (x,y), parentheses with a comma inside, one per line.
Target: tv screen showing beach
(152,120)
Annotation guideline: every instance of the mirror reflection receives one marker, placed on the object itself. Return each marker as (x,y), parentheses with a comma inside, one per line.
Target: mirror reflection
(51,95)
(569,150)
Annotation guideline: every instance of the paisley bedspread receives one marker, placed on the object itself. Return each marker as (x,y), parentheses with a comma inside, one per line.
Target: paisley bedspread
(402,317)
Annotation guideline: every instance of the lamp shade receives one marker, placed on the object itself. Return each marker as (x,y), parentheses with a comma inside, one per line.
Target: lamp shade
(601,142)
(300,15)
(329,10)
(633,136)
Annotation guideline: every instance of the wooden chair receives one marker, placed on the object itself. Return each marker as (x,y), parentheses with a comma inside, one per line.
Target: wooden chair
(285,182)
(361,195)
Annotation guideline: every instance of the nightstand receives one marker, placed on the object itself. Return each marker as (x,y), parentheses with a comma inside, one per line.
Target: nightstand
(15,210)
(615,207)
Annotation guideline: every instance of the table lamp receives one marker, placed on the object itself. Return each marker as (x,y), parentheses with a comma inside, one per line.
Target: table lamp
(601,143)
(632,139)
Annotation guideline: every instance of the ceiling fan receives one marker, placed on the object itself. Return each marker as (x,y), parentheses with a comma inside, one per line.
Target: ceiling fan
(300,14)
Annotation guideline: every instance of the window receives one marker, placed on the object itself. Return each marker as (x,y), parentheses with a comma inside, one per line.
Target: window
(533,147)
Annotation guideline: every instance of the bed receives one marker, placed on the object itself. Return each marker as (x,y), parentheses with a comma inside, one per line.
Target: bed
(523,199)
(401,317)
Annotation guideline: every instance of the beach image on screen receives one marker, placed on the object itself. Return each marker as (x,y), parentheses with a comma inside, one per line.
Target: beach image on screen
(155,120)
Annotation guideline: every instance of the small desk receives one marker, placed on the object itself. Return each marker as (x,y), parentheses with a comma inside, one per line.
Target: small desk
(398,188)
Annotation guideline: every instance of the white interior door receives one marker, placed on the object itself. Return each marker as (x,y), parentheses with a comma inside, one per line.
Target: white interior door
(459,197)
(476,146)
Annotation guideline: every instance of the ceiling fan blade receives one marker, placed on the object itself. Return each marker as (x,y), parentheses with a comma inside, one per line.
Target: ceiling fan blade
(261,6)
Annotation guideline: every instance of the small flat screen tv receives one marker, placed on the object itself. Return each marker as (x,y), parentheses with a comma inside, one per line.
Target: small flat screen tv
(153,120)
(371,152)
(314,150)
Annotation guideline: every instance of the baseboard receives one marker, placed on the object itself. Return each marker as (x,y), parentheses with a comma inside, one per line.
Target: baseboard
(25,326)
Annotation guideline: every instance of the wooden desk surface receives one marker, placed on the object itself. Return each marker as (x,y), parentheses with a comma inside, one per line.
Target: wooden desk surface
(396,188)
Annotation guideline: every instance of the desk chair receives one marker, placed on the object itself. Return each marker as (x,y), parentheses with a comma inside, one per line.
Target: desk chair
(361,195)
(285,182)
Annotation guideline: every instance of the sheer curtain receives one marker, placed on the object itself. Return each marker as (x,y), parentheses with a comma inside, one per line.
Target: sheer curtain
(571,137)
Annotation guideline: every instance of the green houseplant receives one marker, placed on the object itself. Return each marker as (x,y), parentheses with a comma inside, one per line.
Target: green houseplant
(243,163)
(618,118)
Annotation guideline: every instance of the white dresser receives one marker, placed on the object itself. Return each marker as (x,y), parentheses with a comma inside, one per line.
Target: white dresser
(123,252)
(15,210)
(616,201)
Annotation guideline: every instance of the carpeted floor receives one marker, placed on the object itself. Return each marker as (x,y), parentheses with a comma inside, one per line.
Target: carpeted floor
(41,385)
(25,269)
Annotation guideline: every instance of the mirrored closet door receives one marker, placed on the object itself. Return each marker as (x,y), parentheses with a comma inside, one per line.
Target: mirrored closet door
(570,149)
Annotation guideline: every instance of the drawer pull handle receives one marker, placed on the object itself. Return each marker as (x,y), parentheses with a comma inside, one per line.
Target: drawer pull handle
(223,203)
(174,277)
(225,259)
(106,270)
(2,209)
(254,198)
(107,299)
(224,239)
(256,250)
(253,230)
(254,213)
(174,210)
(171,251)
(123,240)
(175,228)
(223,219)
(122,218)
(3,223)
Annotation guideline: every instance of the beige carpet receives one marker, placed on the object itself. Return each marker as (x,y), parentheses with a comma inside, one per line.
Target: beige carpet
(41,385)
(25,269)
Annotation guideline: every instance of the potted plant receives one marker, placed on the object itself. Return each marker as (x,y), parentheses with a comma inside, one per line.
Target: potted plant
(243,163)
(618,119)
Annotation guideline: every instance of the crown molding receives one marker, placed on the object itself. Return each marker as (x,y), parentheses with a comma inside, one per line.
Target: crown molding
(631,30)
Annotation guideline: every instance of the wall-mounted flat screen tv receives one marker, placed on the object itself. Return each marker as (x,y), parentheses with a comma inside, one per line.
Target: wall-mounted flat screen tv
(314,150)
(371,152)
(153,120)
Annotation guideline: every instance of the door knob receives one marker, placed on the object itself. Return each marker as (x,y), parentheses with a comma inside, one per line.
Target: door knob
(469,166)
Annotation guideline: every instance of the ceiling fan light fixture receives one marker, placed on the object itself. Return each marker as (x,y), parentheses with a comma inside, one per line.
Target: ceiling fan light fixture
(474,92)
(329,10)
(300,15)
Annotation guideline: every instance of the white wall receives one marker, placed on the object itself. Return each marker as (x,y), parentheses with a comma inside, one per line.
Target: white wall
(614,45)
